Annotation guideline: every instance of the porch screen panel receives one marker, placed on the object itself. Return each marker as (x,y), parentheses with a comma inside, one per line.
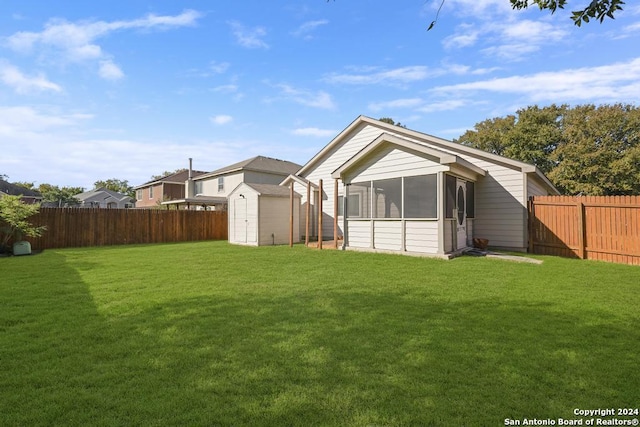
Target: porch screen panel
(421,196)
(387,198)
(471,200)
(359,200)
(450,194)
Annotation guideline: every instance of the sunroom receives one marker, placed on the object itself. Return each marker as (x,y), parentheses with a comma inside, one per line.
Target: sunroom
(403,196)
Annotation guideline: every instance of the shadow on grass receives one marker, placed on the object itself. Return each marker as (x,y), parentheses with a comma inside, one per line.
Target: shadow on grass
(303,358)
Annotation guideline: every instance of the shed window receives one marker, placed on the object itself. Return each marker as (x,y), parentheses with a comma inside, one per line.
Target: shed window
(421,196)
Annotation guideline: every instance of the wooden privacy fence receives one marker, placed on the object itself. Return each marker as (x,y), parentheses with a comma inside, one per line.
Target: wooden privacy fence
(605,228)
(77,227)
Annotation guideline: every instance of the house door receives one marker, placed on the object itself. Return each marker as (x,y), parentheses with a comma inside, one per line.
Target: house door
(461,217)
(240,220)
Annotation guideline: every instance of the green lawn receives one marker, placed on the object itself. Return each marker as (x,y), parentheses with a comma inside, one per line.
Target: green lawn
(214,334)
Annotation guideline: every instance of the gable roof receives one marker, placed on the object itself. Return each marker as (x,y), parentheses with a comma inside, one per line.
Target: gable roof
(16,190)
(442,157)
(422,138)
(271,190)
(102,193)
(257,164)
(174,178)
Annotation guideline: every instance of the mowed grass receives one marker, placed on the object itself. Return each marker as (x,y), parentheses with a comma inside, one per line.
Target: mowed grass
(214,334)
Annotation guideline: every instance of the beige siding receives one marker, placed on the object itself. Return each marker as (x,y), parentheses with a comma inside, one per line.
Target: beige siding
(359,234)
(274,220)
(210,186)
(535,187)
(387,235)
(421,236)
(392,163)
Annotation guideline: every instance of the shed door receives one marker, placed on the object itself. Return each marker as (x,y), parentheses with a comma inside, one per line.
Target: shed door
(240,220)
(461,214)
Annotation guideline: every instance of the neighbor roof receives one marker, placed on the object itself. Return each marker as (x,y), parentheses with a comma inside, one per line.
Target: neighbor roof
(101,191)
(257,164)
(176,178)
(16,190)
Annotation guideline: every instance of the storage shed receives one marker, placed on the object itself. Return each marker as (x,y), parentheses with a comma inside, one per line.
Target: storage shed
(260,215)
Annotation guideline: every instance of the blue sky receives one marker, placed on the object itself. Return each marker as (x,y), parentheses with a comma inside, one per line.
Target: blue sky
(129,89)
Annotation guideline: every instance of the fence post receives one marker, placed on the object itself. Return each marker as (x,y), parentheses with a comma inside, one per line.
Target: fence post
(531,214)
(581,230)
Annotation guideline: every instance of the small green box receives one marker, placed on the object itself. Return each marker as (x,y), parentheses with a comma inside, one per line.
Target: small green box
(22,248)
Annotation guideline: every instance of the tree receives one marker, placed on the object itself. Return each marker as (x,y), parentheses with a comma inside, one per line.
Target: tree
(119,186)
(584,149)
(391,121)
(13,220)
(596,9)
(61,196)
(166,173)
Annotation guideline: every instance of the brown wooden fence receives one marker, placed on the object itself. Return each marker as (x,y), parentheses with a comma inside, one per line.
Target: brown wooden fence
(605,228)
(78,227)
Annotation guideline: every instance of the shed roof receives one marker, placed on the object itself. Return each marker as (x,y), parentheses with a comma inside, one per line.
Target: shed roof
(271,190)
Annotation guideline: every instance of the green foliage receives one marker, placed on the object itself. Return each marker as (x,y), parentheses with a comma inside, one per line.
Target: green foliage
(117,185)
(62,196)
(584,149)
(597,9)
(167,173)
(13,219)
(391,121)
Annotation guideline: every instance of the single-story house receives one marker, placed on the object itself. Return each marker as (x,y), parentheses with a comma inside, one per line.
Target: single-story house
(258,214)
(104,198)
(389,188)
(210,190)
(26,195)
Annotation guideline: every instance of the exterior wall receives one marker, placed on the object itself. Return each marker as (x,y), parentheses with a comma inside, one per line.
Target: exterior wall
(210,185)
(161,192)
(421,236)
(274,220)
(535,188)
(359,234)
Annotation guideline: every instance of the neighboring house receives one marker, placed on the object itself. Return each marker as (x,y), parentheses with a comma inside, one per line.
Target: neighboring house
(26,195)
(409,192)
(212,189)
(170,187)
(103,198)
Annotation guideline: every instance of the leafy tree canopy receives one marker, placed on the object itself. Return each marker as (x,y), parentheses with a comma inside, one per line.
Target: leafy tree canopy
(61,196)
(13,220)
(117,185)
(584,149)
(391,121)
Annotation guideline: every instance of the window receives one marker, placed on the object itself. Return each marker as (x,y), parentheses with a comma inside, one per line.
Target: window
(221,184)
(421,196)
(359,201)
(198,187)
(387,198)
(151,192)
(139,194)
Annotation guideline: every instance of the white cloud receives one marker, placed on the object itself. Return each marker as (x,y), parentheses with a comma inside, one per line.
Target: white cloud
(315,132)
(21,83)
(219,67)
(407,74)
(76,42)
(249,38)
(319,99)
(110,71)
(305,29)
(449,104)
(607,83)
(221,119)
